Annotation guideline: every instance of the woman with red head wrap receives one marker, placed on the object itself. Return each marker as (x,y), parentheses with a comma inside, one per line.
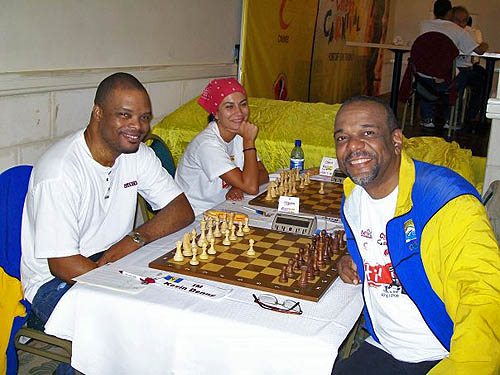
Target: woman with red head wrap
(221,162)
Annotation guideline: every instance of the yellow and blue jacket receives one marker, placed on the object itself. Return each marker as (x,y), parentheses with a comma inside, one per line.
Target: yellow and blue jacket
(447,259)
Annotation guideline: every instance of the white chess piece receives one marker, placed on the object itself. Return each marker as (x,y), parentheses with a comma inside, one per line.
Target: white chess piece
(194,261)
(321,188)
(186,246)
(226,241)
(246,229)
(240,233)
(203,237)
(210,233)
(211,250)
(223,228)
(233,237)
(204,255)
(217,232)
(250,250)
(193,245)
(178,257)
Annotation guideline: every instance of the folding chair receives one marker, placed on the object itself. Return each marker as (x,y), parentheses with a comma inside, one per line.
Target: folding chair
(163,153)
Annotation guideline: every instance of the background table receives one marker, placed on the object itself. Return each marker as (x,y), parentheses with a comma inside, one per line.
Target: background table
(162,331)
(396,69)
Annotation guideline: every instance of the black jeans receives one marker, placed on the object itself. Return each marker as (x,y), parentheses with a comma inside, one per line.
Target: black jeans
(370,360)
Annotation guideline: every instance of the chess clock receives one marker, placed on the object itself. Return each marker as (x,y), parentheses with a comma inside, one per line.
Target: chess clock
(338,176)
(294,224)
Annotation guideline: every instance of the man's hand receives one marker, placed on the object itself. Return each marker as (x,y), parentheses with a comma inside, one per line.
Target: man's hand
(118,250)
(248,132)
(234,194)
(348,271)
(482,48)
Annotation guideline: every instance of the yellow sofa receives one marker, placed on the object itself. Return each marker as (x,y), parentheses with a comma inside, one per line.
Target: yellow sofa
(280,123)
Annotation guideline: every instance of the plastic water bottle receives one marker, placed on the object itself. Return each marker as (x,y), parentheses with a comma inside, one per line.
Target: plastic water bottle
(297,156)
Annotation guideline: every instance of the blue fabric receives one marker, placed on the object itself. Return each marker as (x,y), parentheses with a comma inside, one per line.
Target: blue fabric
(165,156)
(13,188)
(370,360)
(434,187)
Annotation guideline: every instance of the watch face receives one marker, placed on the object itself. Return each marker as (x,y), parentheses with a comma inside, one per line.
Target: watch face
(137,238)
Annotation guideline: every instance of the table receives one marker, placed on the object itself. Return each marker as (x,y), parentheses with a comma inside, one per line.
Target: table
(491,58)
(399,51)
(162,331)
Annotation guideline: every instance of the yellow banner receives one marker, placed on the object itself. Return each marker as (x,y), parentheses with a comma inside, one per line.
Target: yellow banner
(277,46)
(338,71)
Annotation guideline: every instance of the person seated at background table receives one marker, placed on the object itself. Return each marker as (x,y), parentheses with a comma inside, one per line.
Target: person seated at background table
(81,202)
(462,40)
(422,247)
(221,162)
(471,75)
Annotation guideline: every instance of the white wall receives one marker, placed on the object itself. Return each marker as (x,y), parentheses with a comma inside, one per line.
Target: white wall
(54,53)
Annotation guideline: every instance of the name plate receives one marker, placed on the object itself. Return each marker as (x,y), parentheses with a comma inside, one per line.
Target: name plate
(288,204)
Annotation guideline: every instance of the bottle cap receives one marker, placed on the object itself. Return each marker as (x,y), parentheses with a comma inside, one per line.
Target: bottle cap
(298,143)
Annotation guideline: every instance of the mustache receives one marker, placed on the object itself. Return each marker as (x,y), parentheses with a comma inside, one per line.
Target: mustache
(357,154)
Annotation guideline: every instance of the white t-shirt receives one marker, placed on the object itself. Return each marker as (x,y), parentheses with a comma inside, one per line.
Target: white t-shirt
(206,158)
(462,39)
(396,320)
(466,61)
(75,205)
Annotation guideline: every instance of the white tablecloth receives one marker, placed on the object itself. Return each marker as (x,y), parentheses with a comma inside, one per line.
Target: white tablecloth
(163,331)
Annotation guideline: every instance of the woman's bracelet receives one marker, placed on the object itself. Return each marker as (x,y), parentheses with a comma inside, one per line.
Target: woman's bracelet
(250,149)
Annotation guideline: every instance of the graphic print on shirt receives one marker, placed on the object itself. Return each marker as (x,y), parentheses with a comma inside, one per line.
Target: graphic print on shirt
(379,271)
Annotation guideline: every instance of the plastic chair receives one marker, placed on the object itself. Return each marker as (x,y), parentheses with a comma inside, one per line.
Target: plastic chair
(167,161)
(13,188)
(432,54)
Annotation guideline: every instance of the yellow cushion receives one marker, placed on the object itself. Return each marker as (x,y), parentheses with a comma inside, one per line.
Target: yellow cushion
(281,122)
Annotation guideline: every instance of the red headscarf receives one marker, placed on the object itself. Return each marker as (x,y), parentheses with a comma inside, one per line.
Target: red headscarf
(216,91)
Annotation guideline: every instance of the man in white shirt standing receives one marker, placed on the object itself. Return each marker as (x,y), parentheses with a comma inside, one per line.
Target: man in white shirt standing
(81,201)
(421,246)
(471,75)
(462,40)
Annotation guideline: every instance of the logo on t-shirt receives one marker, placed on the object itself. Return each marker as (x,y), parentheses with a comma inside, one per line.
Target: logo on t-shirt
(129,184)
(225,185)
(366,233)
(410,234)
(383,276)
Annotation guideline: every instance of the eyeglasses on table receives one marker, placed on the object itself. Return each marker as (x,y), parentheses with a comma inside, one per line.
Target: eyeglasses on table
(270,302)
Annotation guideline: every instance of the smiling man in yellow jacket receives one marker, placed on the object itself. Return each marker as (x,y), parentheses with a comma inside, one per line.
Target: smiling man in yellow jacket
(422,247)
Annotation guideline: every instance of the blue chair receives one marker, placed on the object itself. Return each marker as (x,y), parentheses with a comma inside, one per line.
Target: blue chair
(167,161)
(13,189)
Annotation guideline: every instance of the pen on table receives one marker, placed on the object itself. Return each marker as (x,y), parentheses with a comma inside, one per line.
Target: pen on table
(258,212)
(144,280)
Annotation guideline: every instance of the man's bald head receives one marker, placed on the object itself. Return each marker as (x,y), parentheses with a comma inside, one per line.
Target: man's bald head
(392,123)
(116,81)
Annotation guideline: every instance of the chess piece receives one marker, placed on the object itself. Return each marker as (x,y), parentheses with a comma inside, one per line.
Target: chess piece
(246,228)
(186,246)
(226,241)
(178,257)
(194,261)
(233,237)
(210,233)
(240,230)
(250,250)
(217,232)
(223,228)
(204,255)
(268,195)
(203,238)
(290,273)
(283,278)
(302,183)
(307,181)
(321,188)
(211,250)
(193,233)
(303,277)
(294,189)
(273,191)
(193,244)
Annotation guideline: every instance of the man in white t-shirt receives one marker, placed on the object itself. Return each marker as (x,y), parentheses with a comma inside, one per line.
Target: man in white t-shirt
(80,206)
(422,247)
(462,40)
(470,75)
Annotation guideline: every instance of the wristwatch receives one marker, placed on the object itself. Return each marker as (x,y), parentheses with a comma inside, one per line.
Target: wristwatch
(137,238)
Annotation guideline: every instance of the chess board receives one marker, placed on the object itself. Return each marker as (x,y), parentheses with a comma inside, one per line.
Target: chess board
(273,250)
(311,202)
